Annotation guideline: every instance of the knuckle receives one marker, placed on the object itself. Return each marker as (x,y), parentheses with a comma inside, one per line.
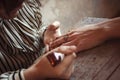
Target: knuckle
(62,48)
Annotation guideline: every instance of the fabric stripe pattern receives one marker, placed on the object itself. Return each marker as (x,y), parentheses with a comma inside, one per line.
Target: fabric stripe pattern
(21,41)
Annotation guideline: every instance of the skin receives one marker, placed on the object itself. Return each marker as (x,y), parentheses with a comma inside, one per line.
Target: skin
(90,36)
(82,39)
(42,69)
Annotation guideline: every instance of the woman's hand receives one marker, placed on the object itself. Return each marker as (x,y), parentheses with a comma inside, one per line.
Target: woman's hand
(42,69)
(83,38)
(90,35)
(51,33)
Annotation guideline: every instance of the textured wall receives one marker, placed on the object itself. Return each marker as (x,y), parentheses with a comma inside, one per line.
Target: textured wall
(70,12)
(106,8)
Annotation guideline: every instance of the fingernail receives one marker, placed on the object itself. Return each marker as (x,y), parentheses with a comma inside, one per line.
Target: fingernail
(74,54)
(56,23)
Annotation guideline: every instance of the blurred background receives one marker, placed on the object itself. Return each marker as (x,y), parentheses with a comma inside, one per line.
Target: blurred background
(71,12)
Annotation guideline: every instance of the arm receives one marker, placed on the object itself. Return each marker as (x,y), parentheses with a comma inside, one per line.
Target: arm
(90,36)
(112,27)
(42,69)
(8,69)
(108,29)
(93,35)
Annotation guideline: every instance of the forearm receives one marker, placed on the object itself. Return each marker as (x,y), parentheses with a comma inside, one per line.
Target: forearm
(95,34)
(33,74)
(111,28)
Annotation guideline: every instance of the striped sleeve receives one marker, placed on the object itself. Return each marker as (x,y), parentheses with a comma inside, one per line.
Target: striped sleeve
(36,9)
(20,41)
(12,67)
(15,75)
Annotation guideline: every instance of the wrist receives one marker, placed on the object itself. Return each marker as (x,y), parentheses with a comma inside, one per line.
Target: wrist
(101,31)
(33,74)
(103,34)
(106,32)
(109,29)
(112,28)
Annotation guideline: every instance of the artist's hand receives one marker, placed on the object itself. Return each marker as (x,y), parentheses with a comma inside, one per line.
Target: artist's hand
(51,33)
(42,69)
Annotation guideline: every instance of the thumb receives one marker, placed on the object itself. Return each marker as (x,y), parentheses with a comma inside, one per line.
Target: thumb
(52,32)
(55,25)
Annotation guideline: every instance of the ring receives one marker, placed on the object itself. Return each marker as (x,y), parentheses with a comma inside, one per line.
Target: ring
(66,38)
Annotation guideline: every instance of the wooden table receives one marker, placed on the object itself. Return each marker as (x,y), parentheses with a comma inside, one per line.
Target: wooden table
(99,63)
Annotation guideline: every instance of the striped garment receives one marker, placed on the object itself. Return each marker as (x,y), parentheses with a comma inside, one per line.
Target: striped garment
(20,41)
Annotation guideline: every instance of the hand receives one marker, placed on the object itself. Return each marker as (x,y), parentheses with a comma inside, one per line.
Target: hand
(83,38)
(51,33)
(89,36)
(42,68)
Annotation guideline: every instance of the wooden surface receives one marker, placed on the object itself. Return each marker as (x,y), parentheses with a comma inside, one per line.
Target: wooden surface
(100,63)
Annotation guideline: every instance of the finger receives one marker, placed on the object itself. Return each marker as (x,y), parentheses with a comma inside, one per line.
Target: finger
(62,40)
(57,29)
(71,36)
(56,56)
(80,43)
(46,48)
(72,42)
(68,60)
(52,32)
(63,50)
(55,25)
(66,49)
